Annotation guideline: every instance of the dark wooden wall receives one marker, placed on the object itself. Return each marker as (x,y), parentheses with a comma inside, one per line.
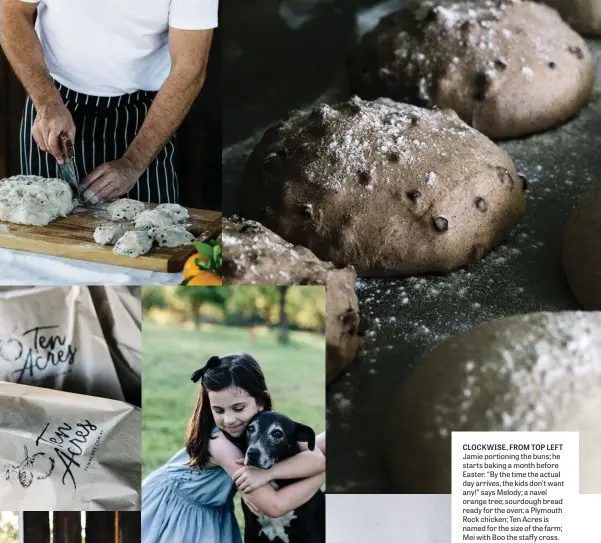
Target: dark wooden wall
(199,137)
(101,527)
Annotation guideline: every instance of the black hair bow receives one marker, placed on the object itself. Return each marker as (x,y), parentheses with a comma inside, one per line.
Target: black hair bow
(212,362)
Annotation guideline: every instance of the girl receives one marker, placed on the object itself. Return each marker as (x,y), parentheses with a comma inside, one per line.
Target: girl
(190,499)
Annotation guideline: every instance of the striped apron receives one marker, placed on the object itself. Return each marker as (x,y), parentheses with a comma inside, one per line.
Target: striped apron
(105,127)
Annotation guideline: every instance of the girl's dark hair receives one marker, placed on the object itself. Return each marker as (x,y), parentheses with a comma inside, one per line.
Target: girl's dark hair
(239,370)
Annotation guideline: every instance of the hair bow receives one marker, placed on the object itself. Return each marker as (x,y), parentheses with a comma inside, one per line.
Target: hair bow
(212,362)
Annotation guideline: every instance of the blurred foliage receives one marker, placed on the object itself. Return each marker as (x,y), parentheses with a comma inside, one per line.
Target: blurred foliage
(9,531)
(305,306)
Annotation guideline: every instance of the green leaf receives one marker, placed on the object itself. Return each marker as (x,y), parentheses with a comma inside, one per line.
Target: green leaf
(204,250)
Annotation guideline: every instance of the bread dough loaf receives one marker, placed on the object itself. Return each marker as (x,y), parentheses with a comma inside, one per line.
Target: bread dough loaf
(133,243)
(583,15)
(175,212)
(171,236)
(536,372)
(508,68)
(253,255)
(582,250)
(108,233)
(152,218)
(35,200)
(388,188)
(125,209)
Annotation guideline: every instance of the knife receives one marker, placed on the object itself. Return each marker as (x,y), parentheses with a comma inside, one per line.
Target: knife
(67,169)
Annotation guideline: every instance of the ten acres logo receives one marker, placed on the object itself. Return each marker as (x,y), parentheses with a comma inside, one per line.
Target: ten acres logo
(23,472)
(68,443)
(48,351)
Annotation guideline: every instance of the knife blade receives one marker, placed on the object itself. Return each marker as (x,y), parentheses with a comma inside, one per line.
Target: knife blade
(67,169)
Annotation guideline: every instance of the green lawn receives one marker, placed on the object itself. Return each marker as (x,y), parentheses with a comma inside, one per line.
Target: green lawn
(295,377)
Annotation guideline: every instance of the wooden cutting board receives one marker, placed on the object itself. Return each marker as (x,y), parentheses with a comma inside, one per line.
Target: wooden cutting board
(73,237)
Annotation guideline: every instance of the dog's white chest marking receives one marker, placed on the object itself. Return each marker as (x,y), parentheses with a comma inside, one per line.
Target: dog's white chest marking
(276,527)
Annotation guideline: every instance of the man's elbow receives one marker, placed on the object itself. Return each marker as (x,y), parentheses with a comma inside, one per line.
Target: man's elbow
(194,78)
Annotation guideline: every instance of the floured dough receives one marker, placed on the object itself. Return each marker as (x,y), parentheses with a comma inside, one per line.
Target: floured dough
(253,255)
(109,233)
(388,188)
(583,15)
(152,218)
(536,372)
(133,243)
(125,209)
(508,68)
(174,211)
(582,250)
(30,199)
(171,236)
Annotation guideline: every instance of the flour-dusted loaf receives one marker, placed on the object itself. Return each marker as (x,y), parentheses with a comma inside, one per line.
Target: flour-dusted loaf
(535,372)
(388,188)
(508,68)
(34,200)
(253,255)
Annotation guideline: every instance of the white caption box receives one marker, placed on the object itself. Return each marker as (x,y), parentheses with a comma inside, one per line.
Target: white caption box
(514,486)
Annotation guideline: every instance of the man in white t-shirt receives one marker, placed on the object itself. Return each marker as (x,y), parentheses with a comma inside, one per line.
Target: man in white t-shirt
(118,77)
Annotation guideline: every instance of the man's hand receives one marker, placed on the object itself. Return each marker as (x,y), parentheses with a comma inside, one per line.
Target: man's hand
(50,122)
(109,181)
(248,478)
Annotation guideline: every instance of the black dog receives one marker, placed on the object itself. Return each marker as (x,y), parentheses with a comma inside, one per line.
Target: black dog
(273,437)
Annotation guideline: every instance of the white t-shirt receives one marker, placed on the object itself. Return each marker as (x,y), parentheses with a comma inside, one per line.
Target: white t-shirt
(114,47)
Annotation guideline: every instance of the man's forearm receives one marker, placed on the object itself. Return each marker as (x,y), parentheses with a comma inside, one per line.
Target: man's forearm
(170,107)
(24,52)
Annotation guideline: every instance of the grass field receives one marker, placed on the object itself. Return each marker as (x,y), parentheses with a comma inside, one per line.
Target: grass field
(295,376)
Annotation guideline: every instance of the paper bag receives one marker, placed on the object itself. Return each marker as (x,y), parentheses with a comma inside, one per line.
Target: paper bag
(63,451)
(51,337)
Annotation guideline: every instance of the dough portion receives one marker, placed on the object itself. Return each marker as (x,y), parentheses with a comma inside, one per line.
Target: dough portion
(254,255)
(582,250)
(175,212)
(34,200)
(152,218)
(108,233)
(536,372)
(171,236)
(133,243)
(583,15)
(125,209)
(389,188)
(508,68)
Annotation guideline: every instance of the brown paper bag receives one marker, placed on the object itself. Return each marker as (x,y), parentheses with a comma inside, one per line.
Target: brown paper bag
(63,451)
(51,337)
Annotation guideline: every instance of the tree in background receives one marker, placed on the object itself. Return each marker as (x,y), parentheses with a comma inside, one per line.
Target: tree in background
(197,296)
(284,335)
(9,533)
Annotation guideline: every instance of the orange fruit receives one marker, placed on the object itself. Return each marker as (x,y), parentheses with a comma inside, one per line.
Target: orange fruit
(190,267)
(204,277)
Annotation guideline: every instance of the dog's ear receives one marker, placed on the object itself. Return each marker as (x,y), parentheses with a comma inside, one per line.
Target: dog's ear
(305,433)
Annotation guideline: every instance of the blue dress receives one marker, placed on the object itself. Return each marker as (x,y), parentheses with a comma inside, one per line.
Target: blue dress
(184,505)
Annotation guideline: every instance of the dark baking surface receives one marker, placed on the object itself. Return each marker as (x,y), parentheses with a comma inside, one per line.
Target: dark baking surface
(408,316)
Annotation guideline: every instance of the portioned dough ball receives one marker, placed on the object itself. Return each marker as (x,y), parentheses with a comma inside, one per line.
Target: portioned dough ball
(536,372)
(133,243)
(125,209)
(171,236)
(583,15)
(582,250)
(152,218)
(388,188)
(108,233)
(174,211)
(508,68)
(254,255)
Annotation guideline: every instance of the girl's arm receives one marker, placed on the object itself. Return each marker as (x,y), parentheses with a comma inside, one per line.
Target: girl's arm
(271,502)
(304,464)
